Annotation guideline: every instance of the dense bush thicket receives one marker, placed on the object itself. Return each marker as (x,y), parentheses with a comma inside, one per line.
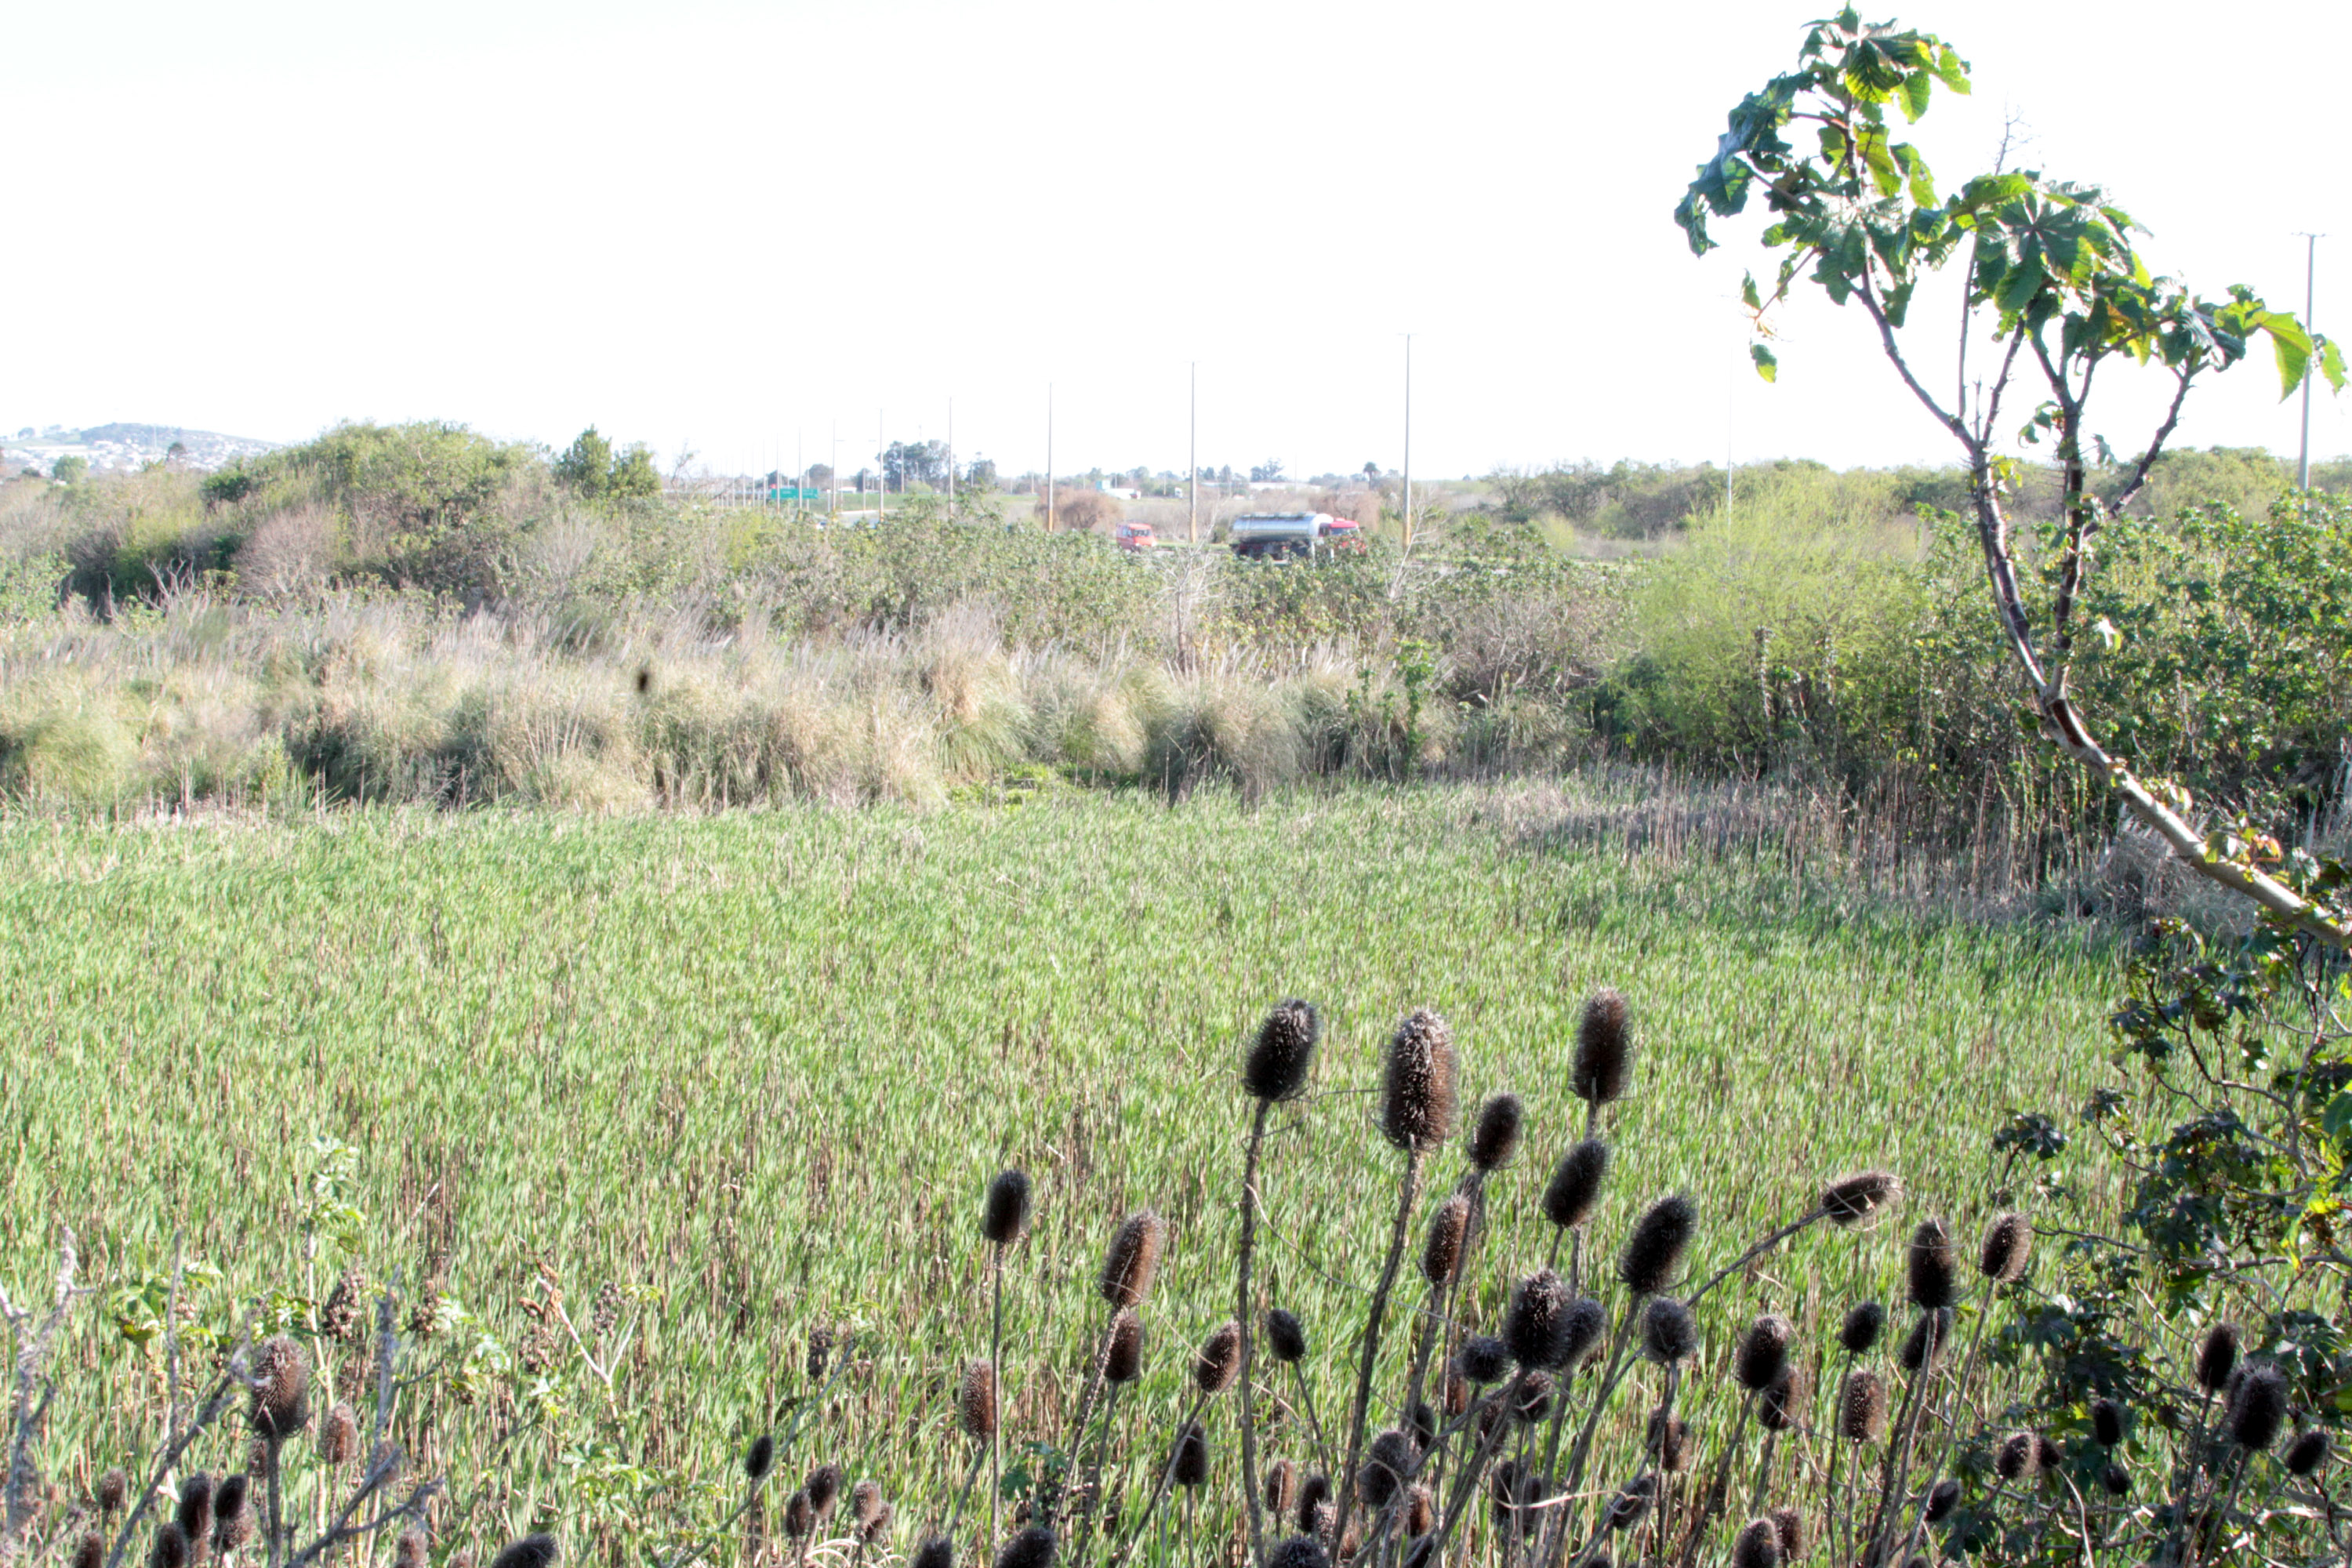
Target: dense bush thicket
(418,612)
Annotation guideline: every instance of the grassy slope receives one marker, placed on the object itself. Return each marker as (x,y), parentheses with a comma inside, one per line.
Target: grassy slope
(766,1063)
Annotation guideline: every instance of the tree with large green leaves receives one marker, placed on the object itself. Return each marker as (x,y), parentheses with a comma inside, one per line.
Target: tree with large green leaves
(2055,292)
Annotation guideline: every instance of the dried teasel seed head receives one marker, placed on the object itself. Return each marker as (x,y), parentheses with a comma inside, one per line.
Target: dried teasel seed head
(1581,1331)
(976,1400)
(1669,1333)
(2018,1458)
(229,1500)
(1942,1498)
(1758,1546)
(823,1488)
(1419,1511)
(820,1352)
(1298,1552)
(1457,1395)
(1220,1358)
(2107,1421)
(1928,1328)
(865,1504)
(2115,1478)
(760,1457)
(1604,1055)
(1484,1359)
(1788,1524)
(2049,1454)
(1189,1466)
(1860,1331)
(1449,1234)
(1032,1548)
(1005,1214)
(89,1551)
(1862,1406)
(2260,1408)
(1533,1402)
(1282,1054)
(1575,1185)
(1420,1426)
(936,1552)
(1285,1336)
(1314,1505)
(1630,1503)
(1503,1491)
(2217,1357)
(1860,1196)
(1669,1443)
(113,1489)
(195,1509)
(1388,1463)
(1929,1265)
(412,1549)
(1132,1258)
(344,1311)
(2008,1246)
(1495,1141)
(800,1515)
(338,1435)
(2307,1452)
(171,1548)
(1781,1401)
(1763,1352)
(876,1526)
(1123,1353)
(1538,1312)
(1281,1487)
(1653,1252)
(1418,1086)
(281,1392)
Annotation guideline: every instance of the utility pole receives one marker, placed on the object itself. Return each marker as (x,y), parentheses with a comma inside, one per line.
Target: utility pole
(2310,268)
(1408,443)
(881,472)
(1049,457)
(951,456)
(1192,462)
(800,475)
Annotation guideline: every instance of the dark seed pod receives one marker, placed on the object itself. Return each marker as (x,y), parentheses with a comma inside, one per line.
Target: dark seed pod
(1860,1331)
(1220,1359)
(1575,1185)
(2115,1478)
(1763,1352)
(1457,1395)
(2107,1421)
(1788,1524)
(865,1504)
(1669,1333)
(1929,1265)
(1856,1199)
(1285,1336)
(1503,1495)
(976,1401)
(89,1551)
(1669,1443)
(2307,1452)
(2008,1243)
(1032,1548)
(530,1552)
(1449,1232)
(1653,1252)
(1189,1465)
(1862,1406)
(2217,1357)
(1420,1426)
(1131,1260)
(195,1509)
(2019,1458)
(411,1549)
(1533,1402)
(1484,1359)
(1388,1464)
(171,1548)
(2049,1455)
(1538,1312)
(1758,1546)
(112,1490)
(1630,1503)
(1005,1214)
(1939,1325)
(1123,1356)
(229,1500)
(1314,1505)
(876,1526)
(1282,1053)
(1580,1332)
(1417,1098)
(338,1435)
(281,1393)
(1281,1487)
(2256,1413)
(1603,1050)
(820,1352)
(800,1515)
(1298,1552)
(936,1552)
(1942,1498)
(1781,1401)
(823,1483)
(1494,1143)
(759,1459)
(1419,1511)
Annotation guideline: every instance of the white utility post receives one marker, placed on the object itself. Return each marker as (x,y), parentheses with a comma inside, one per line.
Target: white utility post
(2310,269)
(1408,443)
(1049,457)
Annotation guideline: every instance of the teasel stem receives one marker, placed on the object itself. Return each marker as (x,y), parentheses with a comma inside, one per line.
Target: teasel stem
(1898,1456)
(1658,1418)
(1763,1476)
(1167,1478)
(1833,1500)
(995,1372)
(1314,1423)
(1959,1392)
(1359,1413)
(1615,1374)
(1246,1314)
(1466,1485)
(1049,1495)
(963,1495)
(1757,1251)
(1711,1501)
(1092,1501)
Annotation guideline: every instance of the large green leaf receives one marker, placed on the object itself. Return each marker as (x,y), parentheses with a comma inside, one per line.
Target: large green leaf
(1767,365)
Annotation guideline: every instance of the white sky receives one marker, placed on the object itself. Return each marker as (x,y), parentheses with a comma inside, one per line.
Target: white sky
(259,218)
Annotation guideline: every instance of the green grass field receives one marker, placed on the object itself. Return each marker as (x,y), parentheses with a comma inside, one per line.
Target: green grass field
(760,1067)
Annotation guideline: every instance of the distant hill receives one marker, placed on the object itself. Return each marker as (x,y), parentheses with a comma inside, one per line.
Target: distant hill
(122,445)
